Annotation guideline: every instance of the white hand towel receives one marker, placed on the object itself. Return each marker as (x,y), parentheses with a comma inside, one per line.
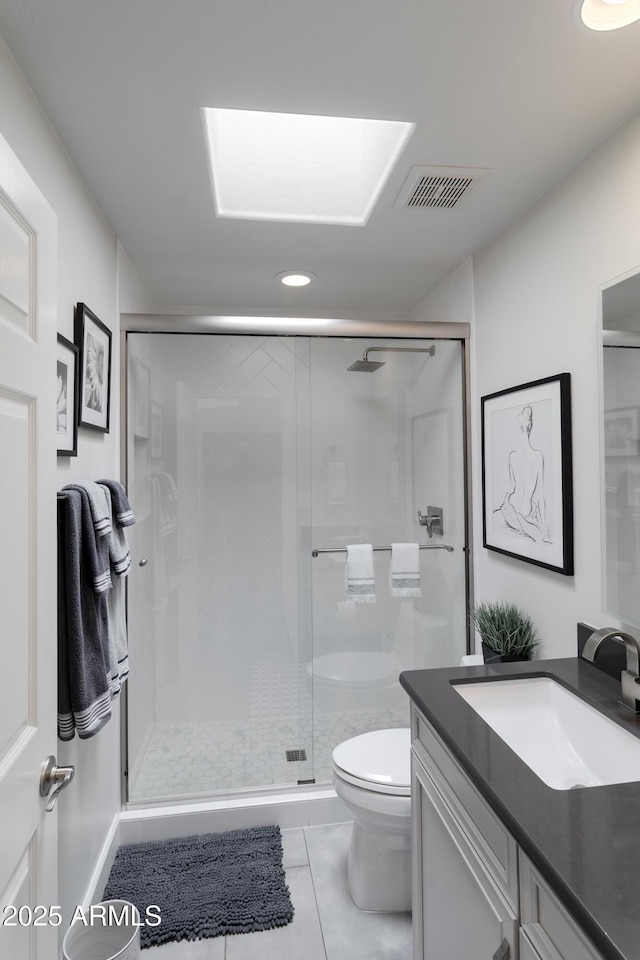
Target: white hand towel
(358,574)
(404,571)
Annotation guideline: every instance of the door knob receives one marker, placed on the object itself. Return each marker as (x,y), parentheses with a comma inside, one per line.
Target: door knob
(54,776)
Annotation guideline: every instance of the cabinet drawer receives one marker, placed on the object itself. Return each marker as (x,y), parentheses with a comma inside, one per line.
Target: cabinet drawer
(545,922)
(492,840)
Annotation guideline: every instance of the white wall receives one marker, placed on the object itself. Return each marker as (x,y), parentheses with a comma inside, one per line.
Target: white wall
(536,296)
(451,301)
(88,272)
(532,298)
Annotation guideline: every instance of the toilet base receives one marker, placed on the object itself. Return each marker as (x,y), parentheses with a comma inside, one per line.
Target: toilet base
(379,870)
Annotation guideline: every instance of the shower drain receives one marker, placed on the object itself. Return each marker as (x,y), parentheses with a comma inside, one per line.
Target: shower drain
(296,755)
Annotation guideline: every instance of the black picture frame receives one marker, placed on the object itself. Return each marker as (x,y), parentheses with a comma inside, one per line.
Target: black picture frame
(94,385)
(527,482)
(67,397)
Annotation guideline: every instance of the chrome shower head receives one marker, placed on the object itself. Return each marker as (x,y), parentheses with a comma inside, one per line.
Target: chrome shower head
(366,366)
(370,366)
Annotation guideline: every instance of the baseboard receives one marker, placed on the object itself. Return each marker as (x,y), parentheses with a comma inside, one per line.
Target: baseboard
(103,865)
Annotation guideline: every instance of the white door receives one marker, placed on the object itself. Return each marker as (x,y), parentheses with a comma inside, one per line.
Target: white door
(28,842)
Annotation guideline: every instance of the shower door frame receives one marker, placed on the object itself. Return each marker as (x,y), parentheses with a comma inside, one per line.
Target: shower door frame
(283,326)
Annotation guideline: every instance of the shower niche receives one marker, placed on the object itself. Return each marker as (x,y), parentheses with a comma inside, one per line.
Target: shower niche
(253,461)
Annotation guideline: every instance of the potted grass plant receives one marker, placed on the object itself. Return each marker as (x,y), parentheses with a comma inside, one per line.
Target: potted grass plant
(506,632)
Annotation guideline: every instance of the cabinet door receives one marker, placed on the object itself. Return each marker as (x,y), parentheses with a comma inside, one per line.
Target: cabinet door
(546,925)
(458,910)
(529,952)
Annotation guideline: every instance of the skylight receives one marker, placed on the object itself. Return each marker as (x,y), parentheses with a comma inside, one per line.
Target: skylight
(300,168)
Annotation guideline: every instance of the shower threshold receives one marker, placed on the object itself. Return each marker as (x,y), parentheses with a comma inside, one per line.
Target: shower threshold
(295,807)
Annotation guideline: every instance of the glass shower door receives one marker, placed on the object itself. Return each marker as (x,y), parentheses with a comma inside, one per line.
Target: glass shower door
(385,445)
(217,445)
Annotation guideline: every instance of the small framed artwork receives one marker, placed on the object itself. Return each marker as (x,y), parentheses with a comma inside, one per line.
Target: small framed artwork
(141,382)
(67,392)
(621,432)
(94,341)
(527,488)
(157,430)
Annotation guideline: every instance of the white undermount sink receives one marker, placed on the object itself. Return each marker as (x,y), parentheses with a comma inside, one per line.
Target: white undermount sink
(566,742)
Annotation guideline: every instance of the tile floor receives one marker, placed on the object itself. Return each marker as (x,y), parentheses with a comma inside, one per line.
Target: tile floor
(183,760)
(326,924)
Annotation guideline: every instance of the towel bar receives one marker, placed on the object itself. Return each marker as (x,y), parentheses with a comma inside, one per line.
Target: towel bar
(421,546)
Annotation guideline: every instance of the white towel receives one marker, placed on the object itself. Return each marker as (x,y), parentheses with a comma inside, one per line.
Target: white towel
(358,574)
(404,571)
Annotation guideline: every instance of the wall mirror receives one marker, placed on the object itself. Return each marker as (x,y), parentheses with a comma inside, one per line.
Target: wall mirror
(621,447)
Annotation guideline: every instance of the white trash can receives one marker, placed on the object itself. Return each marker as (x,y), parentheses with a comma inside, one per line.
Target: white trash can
(109,934)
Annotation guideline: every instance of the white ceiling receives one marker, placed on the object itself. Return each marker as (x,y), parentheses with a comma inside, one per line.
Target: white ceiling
(511,85)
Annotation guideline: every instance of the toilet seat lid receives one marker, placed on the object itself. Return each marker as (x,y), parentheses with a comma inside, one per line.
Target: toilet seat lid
(381,758)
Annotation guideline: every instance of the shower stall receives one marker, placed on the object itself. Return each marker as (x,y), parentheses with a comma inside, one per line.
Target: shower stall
(253,460)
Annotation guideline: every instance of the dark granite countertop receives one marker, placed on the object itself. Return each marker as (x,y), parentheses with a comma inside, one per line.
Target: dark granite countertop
(583,841)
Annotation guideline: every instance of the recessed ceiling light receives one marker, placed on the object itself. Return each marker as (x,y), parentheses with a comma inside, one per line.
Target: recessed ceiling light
(295,278)
(300,168)
(609,14)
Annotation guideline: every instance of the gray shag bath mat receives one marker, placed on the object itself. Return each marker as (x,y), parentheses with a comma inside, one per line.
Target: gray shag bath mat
(207,885)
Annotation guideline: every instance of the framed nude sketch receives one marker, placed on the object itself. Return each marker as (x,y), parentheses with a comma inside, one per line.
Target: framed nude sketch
(527,491)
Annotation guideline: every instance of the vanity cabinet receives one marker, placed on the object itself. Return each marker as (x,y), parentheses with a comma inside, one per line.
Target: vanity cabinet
(475,893)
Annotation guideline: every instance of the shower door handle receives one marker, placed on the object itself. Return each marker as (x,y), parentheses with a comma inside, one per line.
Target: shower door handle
(143,562)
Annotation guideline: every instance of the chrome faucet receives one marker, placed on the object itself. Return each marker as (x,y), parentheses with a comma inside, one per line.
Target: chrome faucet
(629,678)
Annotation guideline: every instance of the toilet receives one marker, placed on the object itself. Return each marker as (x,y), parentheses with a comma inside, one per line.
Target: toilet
(372,774)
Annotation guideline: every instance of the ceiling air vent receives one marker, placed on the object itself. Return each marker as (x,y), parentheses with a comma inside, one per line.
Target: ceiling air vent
(440,188)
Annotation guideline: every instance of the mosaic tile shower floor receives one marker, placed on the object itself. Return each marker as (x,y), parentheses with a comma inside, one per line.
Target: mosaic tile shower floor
(191,759)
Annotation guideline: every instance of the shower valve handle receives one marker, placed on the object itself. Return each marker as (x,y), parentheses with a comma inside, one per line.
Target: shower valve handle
(432,520)
(426,521)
